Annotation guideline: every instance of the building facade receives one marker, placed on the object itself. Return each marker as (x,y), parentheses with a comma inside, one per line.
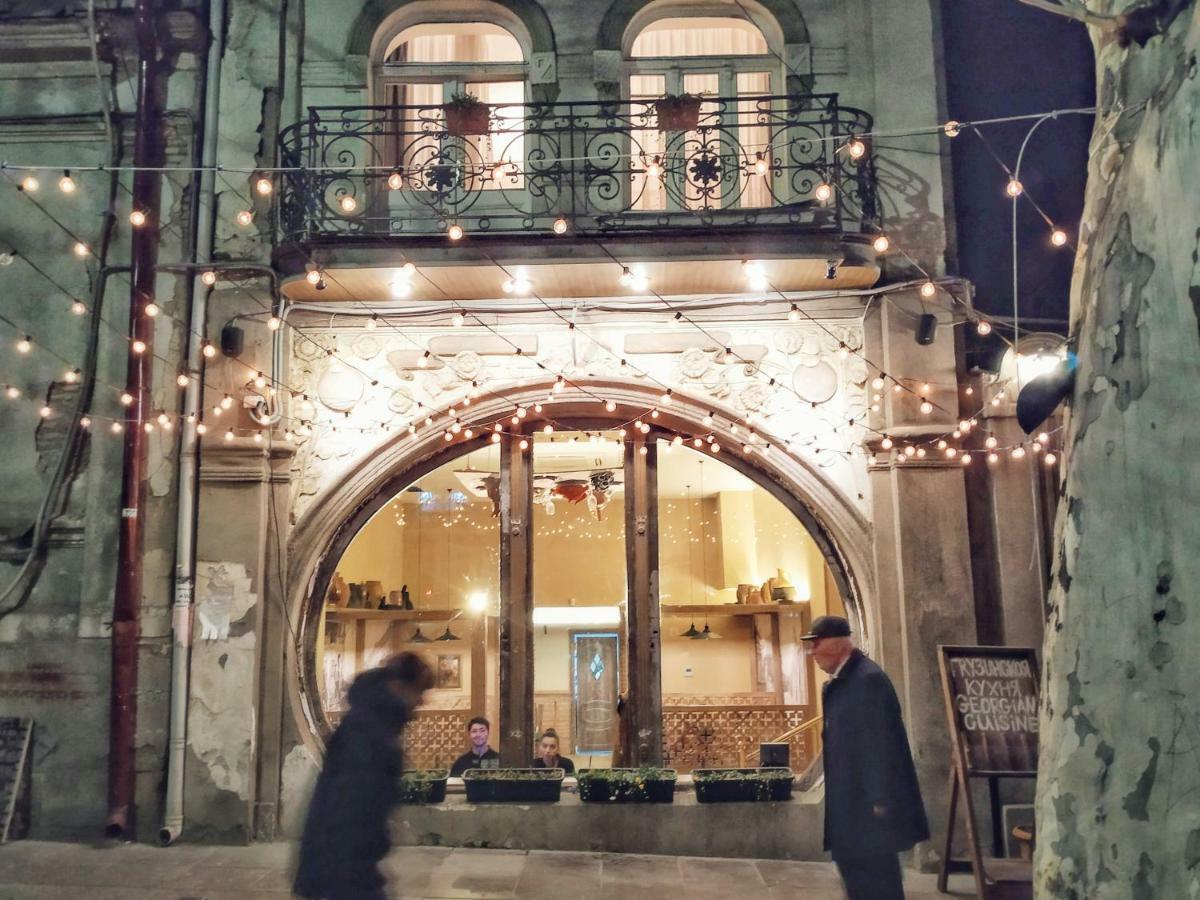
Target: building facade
(668,338)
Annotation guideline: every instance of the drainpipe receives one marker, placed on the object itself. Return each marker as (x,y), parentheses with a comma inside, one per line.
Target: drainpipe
(189,449)
(126,618)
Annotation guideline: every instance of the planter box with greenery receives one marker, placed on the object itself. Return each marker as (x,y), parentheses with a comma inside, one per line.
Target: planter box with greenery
(742,785)
(465,115)
(649,784)
(678,112)
(513,785)
(423,786)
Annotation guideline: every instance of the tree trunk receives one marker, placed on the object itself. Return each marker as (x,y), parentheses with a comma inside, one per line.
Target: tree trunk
(1118,801)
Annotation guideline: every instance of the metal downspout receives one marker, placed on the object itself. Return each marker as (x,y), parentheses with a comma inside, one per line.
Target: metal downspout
(126,618)
(189,449)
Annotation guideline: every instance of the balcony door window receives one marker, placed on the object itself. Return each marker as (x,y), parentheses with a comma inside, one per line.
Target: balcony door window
(424,67)
(728,63)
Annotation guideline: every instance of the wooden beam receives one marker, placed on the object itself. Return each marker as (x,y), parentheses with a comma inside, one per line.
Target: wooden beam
(641,567)
(516,602)
(479,666)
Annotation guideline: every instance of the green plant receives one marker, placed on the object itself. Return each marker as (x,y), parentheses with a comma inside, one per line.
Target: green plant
(513,774)
(626,785)
(761,784)
(421,785)
(463,101)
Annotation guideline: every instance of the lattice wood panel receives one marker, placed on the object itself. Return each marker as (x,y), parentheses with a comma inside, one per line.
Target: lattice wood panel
(716,737)
(435,738)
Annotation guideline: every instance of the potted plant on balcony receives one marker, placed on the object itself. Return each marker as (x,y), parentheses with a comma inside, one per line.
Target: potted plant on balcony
(678,112)
(423,786)
(513,785)
(648,784)
(465,115)
(742,785)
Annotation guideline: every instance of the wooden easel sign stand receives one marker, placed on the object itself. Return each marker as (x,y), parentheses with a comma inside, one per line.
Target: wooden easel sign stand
(991,696)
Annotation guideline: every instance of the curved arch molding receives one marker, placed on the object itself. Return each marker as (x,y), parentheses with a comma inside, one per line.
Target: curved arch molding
(375,12)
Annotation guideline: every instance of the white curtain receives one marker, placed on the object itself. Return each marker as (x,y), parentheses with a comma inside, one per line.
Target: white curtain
(700,36)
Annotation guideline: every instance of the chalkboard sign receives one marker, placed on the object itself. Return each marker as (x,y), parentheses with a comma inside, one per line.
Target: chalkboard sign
(15,738)
(992,702)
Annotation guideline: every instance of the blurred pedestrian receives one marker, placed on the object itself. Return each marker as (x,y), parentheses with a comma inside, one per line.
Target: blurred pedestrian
(873,807)
(346,833)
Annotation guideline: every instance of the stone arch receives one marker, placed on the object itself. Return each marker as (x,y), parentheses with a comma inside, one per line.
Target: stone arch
(525,18)
(777,18)
(322,534)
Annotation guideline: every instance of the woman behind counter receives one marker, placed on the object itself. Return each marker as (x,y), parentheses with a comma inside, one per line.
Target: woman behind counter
(548,757)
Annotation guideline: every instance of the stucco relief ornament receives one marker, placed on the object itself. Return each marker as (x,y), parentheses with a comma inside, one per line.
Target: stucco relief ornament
(698,373)
(468,365)
(816,382)
(401,401)
(789,340)
(340,388)
(306,348)
(366,346)
(753,398)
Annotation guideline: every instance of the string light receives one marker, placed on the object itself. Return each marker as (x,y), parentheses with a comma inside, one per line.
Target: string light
(856,148)
(455,232)
(881,243)
(1013,188)
(137,218)
(208,350)
(794,313)
(983,327)
(208,277)
(71,376)
(263,185)
(226,402)
(965,459)
(229,435)
(926,407)
(1058,237)
(138,347)
(760,163)
(993,458)
(1018,452)
(952,129)
(458,320)
(274,323)
(1043,438)
(12,392)
(610,406)
(524,445)
(928,289)
(201,428)
(654,169)
(116,428)
(243,218)
(85,422)
(126,398)
(348,204)
(1049,459)
(823,192)
(150,309)
(66,184)
(395,181)
(886,443)
(81,249)
(25,344)
(560,225)
(30,183)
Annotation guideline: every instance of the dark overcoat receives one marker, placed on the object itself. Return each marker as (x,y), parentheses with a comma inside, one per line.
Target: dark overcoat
(346,833)
(868,764)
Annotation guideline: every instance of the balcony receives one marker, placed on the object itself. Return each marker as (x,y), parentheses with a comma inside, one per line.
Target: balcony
(771,170)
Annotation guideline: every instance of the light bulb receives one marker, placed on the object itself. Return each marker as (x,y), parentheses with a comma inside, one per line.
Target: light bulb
(626,278)
(952,129)
(495,438)
(667,397)
(984,326)
(150,309)
(208,350)
(951,452)
(522,412)
(794,313)
(654,169)
(823,192)
(137,218)
(348,203)
(964,425)
(455,232)
(12,392)
(728,357)
(66,184)
(640,283)
(993,458)
(910,451)
(1018,452)
(877,383)
(45,412)
(990,442)
(263,185)
(182,379)
(30,183)
(116,428)
(138,347)
(243,218)
(941,444)
(126,399)
(965,459)
(1049,459)
(25,344)
(229,435)
(148,427)
(260,380)
(549,429)
(676,441)
(71,376)
(395,181)
(928,289)
(1013,188)
(714,447)
(226,402)
(920,453)
(886,443)
(926,407)
(696,442)
(1058,237)
(164,419)
(81,249)
(857,149)
(881,243)
(524,445)
(209,277)
(85,421)
(610,406)
(201,428)
(1043,438)
(760,164)
(560,225)
(708,420)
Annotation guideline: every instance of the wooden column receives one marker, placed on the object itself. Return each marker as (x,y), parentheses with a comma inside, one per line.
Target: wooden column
(516,602)
(641,567)
(479,666)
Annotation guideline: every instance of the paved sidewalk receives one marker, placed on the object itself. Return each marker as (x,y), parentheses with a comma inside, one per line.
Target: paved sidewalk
(38,871)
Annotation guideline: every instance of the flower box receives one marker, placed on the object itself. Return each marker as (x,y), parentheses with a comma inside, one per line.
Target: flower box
(742,785)
(466,115)
(678,113)
(645,785)
(513,785)
(423,785)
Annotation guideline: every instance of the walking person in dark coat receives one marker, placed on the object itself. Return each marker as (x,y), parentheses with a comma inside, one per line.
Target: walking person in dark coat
(346,833)
(873,807)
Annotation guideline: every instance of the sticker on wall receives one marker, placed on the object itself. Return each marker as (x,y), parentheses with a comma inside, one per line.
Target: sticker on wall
(816,383)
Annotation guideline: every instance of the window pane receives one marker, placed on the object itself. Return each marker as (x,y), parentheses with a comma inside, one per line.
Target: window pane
(646,145)
(700,36)
(754,137)
(462,42)
(503,148)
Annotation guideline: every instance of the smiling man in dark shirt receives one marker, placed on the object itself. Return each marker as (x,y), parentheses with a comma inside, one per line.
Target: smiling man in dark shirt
(480,756)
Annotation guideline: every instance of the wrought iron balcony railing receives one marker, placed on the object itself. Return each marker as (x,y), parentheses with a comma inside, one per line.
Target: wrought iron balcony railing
(388,170)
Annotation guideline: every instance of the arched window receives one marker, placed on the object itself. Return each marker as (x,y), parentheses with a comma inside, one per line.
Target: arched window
(427,65)
(728,62)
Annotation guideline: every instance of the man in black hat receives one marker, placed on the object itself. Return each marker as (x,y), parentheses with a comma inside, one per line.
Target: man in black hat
(873,807)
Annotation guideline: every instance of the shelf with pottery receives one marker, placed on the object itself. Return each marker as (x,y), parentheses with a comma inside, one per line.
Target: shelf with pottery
(726,609)
(392,615)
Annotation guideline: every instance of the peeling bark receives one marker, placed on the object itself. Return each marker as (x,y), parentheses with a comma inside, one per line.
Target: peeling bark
(1118,807)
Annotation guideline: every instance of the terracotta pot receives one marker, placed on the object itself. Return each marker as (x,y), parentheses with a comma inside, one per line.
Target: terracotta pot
(338,593)
(678,113)
(466,120)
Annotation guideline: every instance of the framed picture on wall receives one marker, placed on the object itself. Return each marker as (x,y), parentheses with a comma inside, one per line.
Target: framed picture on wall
(449,671)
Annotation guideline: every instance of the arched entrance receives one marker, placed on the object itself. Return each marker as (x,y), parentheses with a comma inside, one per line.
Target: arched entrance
(322,536)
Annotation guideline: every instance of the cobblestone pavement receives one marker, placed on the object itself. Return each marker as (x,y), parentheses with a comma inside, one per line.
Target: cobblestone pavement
(32,870)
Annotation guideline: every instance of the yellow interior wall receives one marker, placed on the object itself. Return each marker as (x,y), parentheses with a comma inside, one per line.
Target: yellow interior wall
(724,666)
(690,571)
